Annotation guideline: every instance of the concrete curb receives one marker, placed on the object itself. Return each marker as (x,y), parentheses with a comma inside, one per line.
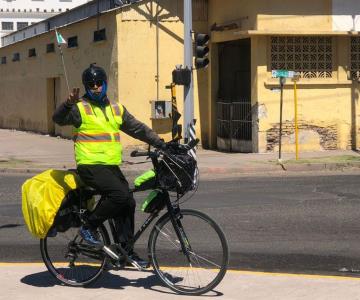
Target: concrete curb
(256,169)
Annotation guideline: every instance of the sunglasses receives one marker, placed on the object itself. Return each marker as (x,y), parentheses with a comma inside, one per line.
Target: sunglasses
(92,84)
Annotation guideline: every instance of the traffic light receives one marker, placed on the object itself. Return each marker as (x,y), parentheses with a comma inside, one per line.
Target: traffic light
(201,50)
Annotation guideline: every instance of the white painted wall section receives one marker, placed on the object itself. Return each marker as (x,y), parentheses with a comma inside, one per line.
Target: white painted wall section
(346,15)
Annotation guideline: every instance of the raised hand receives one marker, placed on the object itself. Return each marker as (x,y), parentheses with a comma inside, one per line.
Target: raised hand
(73,97)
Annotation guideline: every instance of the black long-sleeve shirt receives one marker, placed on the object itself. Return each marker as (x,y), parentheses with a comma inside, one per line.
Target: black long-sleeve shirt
(70,115)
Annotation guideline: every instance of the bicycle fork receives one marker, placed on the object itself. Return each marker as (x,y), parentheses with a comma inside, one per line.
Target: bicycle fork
(175,217)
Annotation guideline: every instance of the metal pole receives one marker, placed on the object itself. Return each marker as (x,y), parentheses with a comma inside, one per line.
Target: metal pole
(282,82)
(188,62)
(65,73)
(296,122)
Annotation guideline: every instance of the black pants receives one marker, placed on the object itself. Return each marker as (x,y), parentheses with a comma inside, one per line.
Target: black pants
(116,202)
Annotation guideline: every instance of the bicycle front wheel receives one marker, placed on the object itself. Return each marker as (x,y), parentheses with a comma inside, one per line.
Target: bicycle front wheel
(198,266)
(70,260)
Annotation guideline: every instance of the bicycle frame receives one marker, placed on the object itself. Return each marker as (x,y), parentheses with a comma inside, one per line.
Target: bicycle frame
(172,210)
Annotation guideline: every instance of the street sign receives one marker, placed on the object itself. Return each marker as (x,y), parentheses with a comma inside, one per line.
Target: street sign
(282,73)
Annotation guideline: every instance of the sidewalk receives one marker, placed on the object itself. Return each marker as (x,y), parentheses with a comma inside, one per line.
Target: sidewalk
(33,153)
(21,281)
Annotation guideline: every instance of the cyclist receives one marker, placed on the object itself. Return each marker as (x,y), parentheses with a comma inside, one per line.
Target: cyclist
(97,122)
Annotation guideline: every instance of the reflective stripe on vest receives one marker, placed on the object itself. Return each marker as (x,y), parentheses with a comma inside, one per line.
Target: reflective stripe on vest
(95,137)
(87,107)
(97,140)
(116,109)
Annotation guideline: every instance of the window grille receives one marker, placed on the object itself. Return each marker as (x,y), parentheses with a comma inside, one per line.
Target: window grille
(310,56)
(355,57)
(21,25)
(72,42)
(7,25)
(32,52)
(50,48)
(16,56)
(100,35)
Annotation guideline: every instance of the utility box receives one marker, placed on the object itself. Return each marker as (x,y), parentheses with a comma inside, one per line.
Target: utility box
(160,109)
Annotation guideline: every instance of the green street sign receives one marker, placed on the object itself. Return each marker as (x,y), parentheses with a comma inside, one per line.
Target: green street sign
(282,73)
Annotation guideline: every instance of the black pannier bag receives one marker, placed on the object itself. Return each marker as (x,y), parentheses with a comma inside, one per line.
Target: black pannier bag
(176,173)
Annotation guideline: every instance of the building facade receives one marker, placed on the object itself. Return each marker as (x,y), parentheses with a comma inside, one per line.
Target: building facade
(237,100)
(18,14)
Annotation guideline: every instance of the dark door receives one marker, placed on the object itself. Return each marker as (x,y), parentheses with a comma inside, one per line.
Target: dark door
(234,120)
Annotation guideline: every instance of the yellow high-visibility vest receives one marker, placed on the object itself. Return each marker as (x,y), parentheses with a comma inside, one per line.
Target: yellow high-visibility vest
(97,140)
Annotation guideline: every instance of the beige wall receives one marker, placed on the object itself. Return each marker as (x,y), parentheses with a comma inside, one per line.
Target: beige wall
(128,55)
(273,15)
(328,109)
(25,86)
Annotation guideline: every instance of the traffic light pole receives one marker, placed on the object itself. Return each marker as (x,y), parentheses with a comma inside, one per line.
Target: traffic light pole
(188,63)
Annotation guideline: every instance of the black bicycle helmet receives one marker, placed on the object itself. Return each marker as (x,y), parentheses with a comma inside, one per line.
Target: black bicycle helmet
(93,74)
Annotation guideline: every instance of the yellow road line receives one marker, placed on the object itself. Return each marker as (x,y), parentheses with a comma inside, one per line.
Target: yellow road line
(254,273)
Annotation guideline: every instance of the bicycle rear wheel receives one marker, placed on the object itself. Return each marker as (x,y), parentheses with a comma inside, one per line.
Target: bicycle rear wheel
(206,263)
(69,259)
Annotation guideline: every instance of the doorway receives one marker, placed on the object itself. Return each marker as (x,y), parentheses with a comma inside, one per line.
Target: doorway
(53,100)
(234,117)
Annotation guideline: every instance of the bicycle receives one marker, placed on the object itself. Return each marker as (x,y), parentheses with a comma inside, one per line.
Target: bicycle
(176,246)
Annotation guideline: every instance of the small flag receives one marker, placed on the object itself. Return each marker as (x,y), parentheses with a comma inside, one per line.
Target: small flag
(59,38)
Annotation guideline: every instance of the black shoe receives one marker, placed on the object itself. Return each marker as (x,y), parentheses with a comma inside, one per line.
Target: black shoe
(144,264)
(52,232)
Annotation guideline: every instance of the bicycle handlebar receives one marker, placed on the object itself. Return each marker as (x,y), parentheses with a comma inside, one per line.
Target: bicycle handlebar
(155,154)
(137,153)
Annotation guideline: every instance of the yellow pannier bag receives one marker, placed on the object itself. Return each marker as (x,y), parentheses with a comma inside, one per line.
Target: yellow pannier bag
(42,196)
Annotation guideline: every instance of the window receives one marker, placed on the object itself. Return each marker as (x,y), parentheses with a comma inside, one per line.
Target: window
(100,35)
(355,57)
(7,25)
(32,52)
(21,25)
(50,48)
(72,42)
(311,56)
(3,60)
(16,56)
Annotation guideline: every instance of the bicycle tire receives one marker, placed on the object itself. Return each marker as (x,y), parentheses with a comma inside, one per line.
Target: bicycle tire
(205,258)
(93,266)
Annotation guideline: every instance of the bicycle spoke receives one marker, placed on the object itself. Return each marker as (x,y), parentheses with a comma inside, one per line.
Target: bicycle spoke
(203,265)
(70,260)
(203,258)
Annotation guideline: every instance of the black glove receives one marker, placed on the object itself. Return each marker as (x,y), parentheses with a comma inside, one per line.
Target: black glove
(161,145)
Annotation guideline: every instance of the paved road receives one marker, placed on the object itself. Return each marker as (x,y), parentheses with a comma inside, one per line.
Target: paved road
(297,224)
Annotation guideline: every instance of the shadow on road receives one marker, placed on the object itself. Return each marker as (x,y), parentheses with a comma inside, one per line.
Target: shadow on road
(10,226)
(108,281)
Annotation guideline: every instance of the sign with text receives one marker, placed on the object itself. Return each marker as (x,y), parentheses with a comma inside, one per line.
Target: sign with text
(282,73)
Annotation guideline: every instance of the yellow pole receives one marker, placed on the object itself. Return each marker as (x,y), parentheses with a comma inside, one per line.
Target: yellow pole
(296,122)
